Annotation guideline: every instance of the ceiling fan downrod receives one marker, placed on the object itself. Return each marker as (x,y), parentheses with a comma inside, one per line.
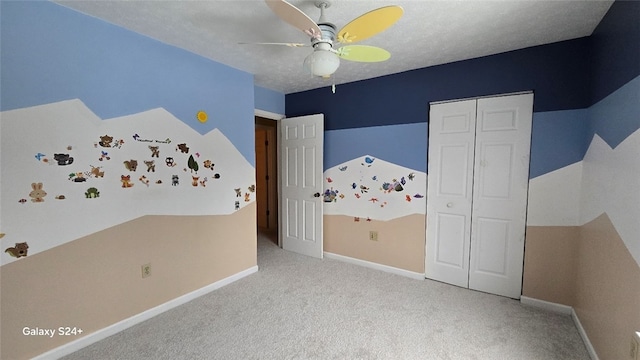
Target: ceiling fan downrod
(328,30)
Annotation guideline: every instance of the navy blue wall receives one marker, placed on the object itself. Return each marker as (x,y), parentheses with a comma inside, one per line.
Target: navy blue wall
(615,65)
(555,72)
(615,49)
(567,79)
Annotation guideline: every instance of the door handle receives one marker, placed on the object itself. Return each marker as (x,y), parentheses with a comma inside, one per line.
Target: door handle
(316,194)
(450,205)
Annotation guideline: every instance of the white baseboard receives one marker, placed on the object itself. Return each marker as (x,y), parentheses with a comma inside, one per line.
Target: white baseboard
(583,335)
(372,265)
(563,309)
(103,333)
(555,307)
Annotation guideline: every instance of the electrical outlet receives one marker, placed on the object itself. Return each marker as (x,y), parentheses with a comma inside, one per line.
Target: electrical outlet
(146,270)
(373,235)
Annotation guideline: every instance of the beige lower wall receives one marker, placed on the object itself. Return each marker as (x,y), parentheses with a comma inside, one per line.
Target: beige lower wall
(607,289)
(401,241)
(550,260)
(96,281)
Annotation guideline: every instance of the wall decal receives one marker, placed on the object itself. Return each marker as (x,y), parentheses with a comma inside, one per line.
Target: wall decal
(330,195)
(110,178)
(252,188)
(77,177)
(183,148)
(373,196)
(104,156)
(202,116)
(92,193)
(105,141)
(194,180)
(131,165)
(143,179)
(96,171)
(19,250)
(151,166)
(22,201)
(238,192)
(247,197)
(126,181)
(155,151)
(37,194)
(237,205)
(192,164)
(63,159)
(208,164)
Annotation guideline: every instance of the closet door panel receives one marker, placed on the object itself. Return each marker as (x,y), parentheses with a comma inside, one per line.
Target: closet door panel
(501,168)
(449,194)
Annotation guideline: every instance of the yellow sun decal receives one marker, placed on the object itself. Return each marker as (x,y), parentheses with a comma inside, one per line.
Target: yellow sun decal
(202,116)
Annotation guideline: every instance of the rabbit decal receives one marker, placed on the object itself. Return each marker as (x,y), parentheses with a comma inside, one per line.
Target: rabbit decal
(37,194)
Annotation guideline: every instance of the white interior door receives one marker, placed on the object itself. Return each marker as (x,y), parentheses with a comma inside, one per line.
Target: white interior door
(449,191)
(301,152)
(477,192)
(503,143)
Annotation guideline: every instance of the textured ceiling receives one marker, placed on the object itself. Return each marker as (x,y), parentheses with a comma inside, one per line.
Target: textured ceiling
(429,33)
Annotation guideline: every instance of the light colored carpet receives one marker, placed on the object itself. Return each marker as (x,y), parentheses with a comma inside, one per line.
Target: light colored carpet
(297,307)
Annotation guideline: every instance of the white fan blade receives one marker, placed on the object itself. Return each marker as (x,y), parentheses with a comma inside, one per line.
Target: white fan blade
(280,44)
(293,16)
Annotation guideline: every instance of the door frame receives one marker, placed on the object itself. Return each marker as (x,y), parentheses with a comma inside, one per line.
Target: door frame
(274,116)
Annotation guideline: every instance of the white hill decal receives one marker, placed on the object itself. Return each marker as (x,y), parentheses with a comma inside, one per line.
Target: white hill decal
(100,173)
(371,188)
(611,184)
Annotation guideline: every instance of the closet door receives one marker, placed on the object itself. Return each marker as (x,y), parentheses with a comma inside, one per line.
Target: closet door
(478,180)
(501,178)
(449,194)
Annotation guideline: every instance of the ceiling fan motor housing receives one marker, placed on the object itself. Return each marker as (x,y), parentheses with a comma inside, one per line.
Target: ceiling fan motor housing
(328,32)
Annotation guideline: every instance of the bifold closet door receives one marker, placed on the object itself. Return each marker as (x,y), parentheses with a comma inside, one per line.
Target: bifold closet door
(449,194)
(477,192)
(500,187)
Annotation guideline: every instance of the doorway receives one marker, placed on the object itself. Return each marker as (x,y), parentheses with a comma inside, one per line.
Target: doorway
(266,177)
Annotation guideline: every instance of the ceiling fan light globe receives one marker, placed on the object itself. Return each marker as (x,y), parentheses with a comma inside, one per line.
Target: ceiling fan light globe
(322,63)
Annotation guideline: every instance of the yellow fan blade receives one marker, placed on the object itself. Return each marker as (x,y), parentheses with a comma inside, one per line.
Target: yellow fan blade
(369,24)
(363,53)
(295,17)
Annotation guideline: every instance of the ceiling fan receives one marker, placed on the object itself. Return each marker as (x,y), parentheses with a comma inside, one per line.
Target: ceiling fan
(325,59)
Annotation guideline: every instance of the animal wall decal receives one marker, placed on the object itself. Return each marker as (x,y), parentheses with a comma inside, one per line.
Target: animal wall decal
(37,194)
(155,151)
(131,165)
(92,193)
(126,181)
(105,141)
(151,166)
(19,250)
(63,159)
